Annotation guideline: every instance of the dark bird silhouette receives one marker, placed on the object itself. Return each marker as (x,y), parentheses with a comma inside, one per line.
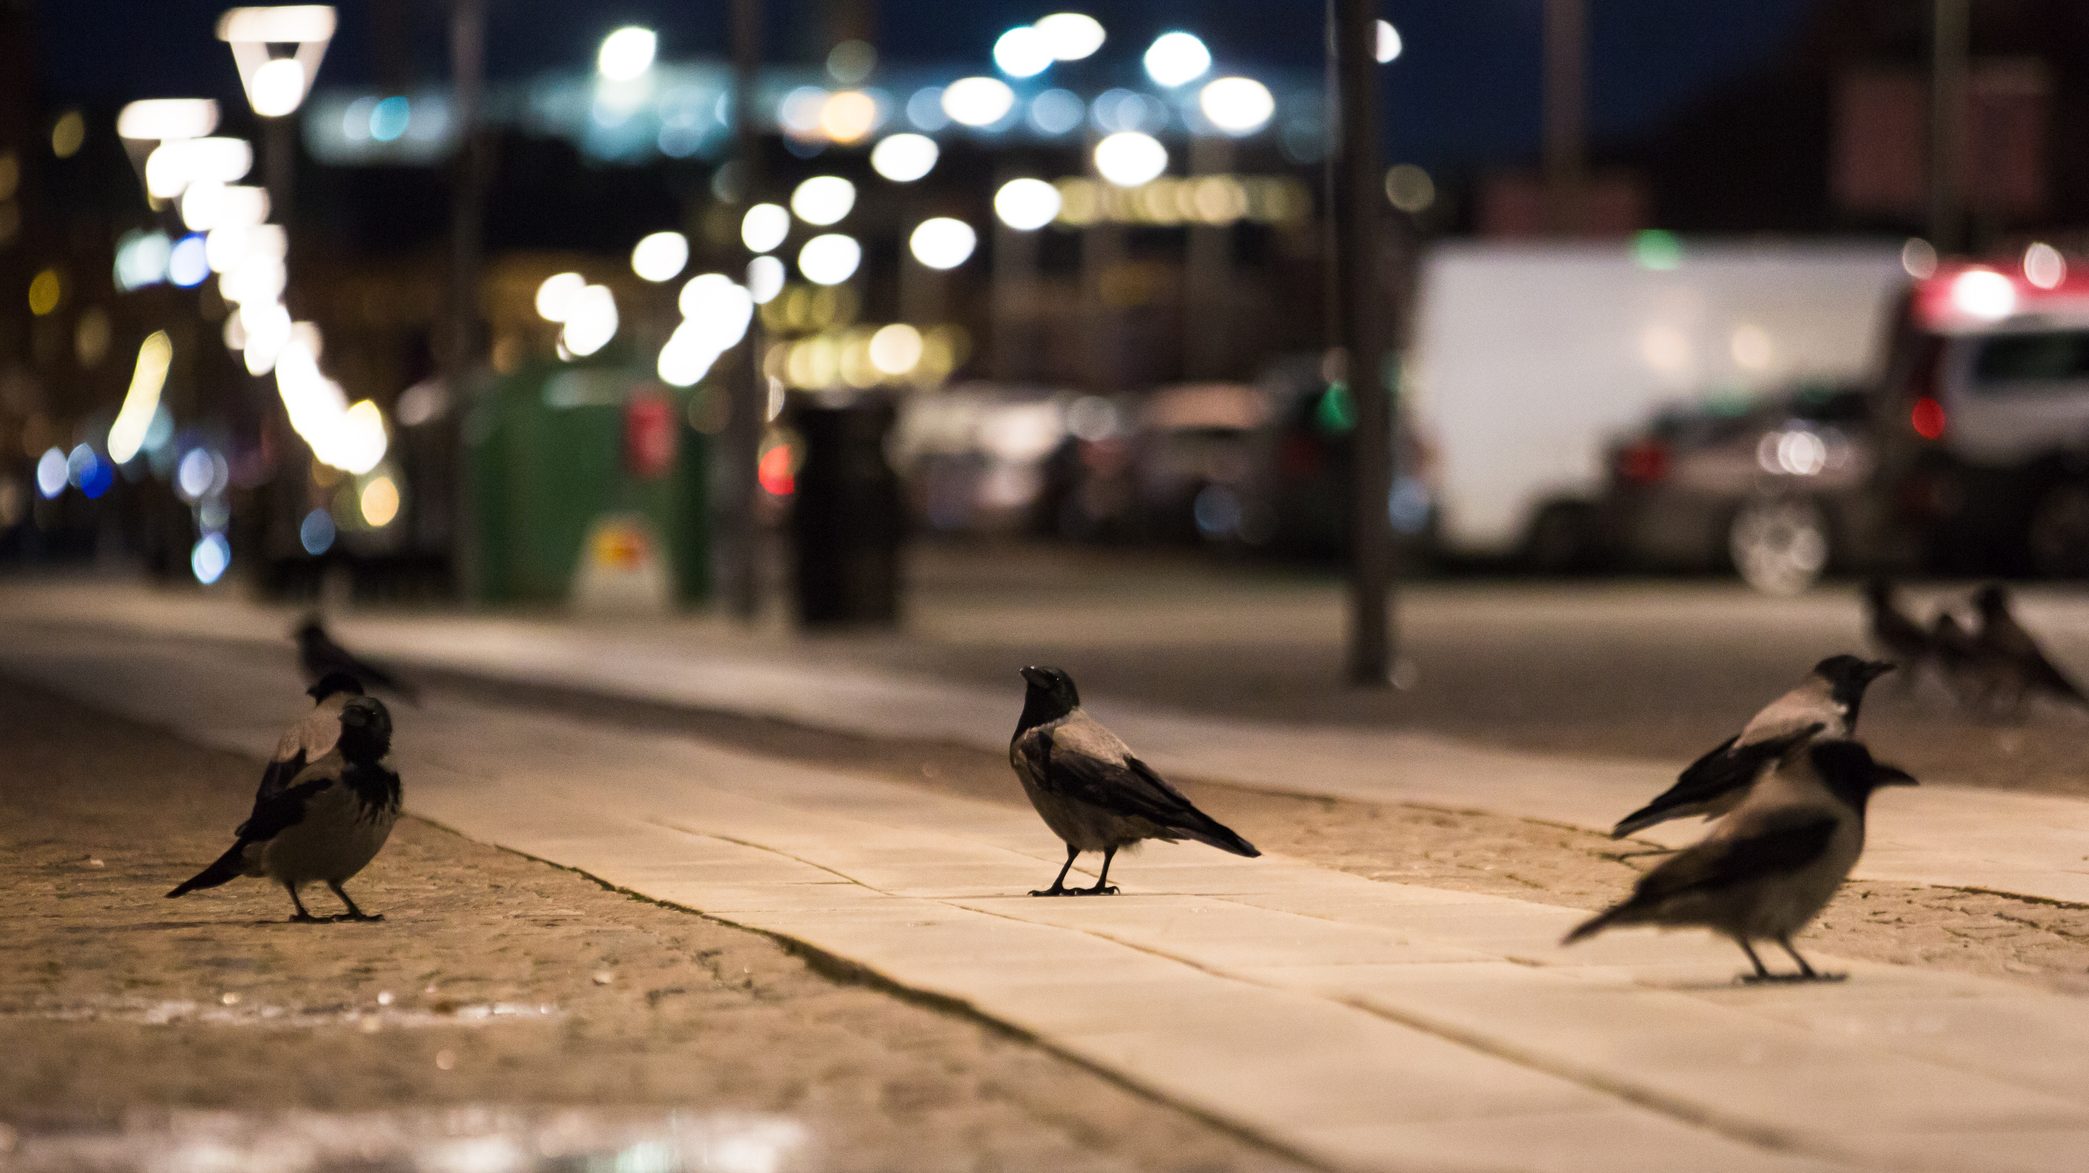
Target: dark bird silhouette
(327,824)
(1824,704)
(1892,630)
(1091,791)
(1967,672)
(2014,661)
(313,736)
(1773,864)
(321,657)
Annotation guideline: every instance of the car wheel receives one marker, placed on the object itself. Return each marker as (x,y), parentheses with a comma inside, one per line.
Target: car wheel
(2057,539)
(1562,539)
(1779,545)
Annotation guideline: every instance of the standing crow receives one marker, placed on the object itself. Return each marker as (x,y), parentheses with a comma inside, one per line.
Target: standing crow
(1824,704)
(313,736)
(1771,867)
(327,824)
(2015,662)
(1089,788)
(1892,631)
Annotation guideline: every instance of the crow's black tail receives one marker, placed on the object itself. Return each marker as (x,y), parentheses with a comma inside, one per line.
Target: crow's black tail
(1597,923)
(229,866)
(1209,830)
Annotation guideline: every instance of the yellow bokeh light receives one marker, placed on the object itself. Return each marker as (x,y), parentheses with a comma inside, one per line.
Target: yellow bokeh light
(379,502)
(67,134)
(847,116)
(45,290)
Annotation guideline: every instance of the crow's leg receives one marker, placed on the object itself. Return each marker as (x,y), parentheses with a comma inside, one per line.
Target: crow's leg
(1102,881)
(1058,887)
(1761,974)
(354,913)
(1807,973)
(300,916)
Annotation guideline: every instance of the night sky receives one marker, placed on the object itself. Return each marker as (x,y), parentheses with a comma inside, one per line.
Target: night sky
(1466,91)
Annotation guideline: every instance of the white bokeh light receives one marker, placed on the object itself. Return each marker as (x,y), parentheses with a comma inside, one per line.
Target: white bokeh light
(1022,52)
(555,295)
(1389,44)
(627,53)
(978,101)
(764,279)
(1176,59)
(830,258)
(942,242)
(764,227)
(1130,158)
(660,256)
(904,158)
(822,200)
(1237,105)
(1026,204)
(1072,35)
(591,321)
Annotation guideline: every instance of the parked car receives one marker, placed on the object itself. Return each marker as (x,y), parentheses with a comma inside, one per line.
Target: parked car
(1766,487)
(976,456)
(1984,404)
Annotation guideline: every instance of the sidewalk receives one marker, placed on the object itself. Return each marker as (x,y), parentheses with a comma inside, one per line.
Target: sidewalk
(1942,834)
(1355,1023)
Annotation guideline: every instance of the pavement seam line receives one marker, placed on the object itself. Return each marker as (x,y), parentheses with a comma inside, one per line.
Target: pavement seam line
(1681,1111)
(841,969)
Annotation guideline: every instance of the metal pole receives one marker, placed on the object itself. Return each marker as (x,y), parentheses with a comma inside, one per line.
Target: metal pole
(740,531)
(459,346)
(1364,313)
(1947,124)
(1566,105)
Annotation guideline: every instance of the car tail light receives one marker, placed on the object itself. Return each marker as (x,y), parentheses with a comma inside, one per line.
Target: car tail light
(1642,462)
(1927,418)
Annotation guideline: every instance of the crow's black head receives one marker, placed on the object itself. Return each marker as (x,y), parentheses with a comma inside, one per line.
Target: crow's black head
(1051,695)
(366,730)
(1992,599)
(308,628)
(1848,677)
(1848,769)
(335,684)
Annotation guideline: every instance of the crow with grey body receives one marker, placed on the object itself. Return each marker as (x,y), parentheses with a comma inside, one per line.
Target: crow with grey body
(321,656)
(2015,663)
(326,825)
(313,736)
(1823,705)
(1091,791)
(1767,870)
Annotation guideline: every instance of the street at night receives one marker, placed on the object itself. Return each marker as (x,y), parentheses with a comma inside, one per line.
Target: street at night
(786,586)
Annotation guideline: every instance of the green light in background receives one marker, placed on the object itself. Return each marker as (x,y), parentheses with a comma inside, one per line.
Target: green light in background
(1335,414)
(1657,248)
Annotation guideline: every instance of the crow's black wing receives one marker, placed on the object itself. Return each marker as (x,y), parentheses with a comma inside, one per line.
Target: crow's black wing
(1129,789)
(283,810)
(1726,770)
(277,775)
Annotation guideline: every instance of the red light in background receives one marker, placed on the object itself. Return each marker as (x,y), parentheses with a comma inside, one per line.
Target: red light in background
(1927,418)
(774,472)
(1643,463)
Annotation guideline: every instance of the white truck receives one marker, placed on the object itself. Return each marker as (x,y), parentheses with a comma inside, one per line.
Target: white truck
(1527,358)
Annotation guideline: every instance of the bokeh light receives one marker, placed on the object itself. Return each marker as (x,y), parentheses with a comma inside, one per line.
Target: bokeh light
(555,295)
(1071,35)
(1023,52)
(1236,105)
(627,53)
(822,200)
(1026,204)
(830,258)
(210,558)
(660,256)
(765,276)
(1130,158)
(978,101)
(764,227)
(942,242)
(904,158)
(1176,58)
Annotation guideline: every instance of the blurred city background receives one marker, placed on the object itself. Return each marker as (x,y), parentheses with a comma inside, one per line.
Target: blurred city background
(648,306)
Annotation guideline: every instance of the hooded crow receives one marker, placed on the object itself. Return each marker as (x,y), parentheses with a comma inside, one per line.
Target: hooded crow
(1772,865)
(1824,704)
(1892,630)
(1966,671)
(327,824)
(321,656)
(2015,662)
(1091,791)
(312,737)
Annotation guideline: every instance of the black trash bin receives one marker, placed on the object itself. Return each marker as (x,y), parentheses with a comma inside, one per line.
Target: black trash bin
(847,516)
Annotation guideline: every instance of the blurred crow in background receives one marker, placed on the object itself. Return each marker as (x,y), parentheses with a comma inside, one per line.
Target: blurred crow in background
(1824,704)
(327,824)
(1893,631)
(1772,865)
(2014,663)
(1089,788)
(321,656)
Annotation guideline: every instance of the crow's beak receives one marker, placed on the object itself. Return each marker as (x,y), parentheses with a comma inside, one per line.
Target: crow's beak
(1036,676)
(1877,668)
(1893,776)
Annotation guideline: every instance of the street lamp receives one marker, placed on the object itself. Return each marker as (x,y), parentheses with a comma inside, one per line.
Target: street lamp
(276,86)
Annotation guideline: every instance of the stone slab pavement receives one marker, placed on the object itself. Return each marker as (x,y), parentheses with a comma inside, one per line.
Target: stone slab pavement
(1356,1024)
(1982,838)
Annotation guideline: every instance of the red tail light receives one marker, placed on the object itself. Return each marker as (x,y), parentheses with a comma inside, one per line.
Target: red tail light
(1927,418)
(1643,462)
